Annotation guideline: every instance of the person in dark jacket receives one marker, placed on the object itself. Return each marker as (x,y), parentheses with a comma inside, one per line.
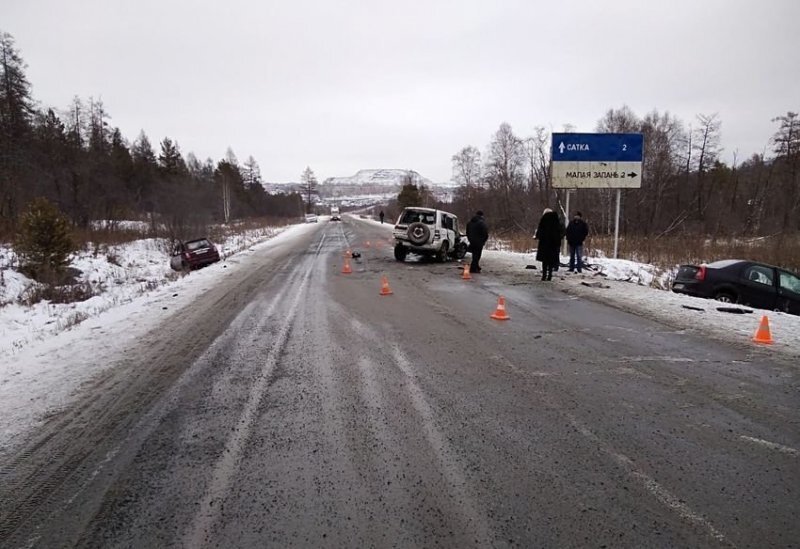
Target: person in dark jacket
(549,235)
(577,231)
(381,216)
(477,234)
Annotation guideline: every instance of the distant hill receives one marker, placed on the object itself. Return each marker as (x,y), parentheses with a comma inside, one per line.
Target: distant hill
(369,186)
(379,178)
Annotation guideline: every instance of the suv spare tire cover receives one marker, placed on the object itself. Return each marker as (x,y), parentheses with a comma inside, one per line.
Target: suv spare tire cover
(418,233)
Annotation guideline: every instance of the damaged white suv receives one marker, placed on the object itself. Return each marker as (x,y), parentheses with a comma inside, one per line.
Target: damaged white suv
(428,232)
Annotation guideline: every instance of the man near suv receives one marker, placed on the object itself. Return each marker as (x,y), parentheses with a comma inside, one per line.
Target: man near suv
(477,234)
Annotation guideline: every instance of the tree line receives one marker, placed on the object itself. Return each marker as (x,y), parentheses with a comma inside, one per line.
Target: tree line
(77,160)
(686,187)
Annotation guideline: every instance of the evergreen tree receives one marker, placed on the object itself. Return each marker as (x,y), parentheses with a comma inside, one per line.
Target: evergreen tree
(15,123)
(170,160)
(409,196)
(44,242)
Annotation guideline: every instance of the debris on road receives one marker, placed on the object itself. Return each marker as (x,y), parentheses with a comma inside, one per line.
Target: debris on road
(595,284)
(735,310)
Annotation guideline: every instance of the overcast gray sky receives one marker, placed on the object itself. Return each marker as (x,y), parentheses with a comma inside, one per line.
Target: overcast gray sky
(345,85)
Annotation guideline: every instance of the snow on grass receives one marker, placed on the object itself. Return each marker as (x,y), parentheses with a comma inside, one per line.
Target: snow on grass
(47,351)
(116,274)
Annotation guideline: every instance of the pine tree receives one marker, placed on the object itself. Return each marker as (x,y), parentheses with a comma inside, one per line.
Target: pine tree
(15,123)
(170,160)
(44,242)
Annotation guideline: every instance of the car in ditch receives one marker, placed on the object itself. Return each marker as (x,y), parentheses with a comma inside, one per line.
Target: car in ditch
(744,282)
(428,232)
(312,218)
(193,254)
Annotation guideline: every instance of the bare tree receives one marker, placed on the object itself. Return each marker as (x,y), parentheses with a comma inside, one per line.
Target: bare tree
(537,154)
(786,142)
(504,173)
(706,148)
(467,172)
(664,138)
(308,184)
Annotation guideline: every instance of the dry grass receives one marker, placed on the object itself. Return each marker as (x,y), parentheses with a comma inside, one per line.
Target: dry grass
(780,250)
(100,239)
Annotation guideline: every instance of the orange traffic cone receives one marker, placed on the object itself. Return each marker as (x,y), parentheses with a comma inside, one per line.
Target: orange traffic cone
(348,253)
(385,289)
(346,269)
(763,334)
(466,275)
(500,313)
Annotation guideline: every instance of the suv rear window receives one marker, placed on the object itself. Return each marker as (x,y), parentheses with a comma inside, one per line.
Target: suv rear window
(414,216)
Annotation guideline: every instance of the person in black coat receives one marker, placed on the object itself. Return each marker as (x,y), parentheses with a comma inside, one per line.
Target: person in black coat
(577,231)
(477,234)
(549,235)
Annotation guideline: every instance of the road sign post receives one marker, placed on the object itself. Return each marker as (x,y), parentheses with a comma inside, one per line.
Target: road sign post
(597,161)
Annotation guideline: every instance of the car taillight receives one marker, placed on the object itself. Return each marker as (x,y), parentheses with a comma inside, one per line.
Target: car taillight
(186,255)
(701,273)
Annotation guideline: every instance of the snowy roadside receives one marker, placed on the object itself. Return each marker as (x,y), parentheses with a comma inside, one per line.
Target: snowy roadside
(643,289)
(44,358)
(117,274)
(628,286)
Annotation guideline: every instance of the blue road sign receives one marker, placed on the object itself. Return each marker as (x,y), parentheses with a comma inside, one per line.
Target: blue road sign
(597,147)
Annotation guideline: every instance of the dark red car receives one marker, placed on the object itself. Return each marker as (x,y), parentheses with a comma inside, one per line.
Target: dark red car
(746,282)
(193,254)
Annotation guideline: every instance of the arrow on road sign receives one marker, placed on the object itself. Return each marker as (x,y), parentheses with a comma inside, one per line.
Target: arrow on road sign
(561,148)
(632,174)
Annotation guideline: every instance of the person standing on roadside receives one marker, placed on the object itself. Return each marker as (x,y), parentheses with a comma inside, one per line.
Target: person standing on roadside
(381,216)
(577,231)
(477,234)
(549,236)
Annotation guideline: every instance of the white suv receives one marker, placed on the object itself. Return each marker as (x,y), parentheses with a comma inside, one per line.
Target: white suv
(428,232)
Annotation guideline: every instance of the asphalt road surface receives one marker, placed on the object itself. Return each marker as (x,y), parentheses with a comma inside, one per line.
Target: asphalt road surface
(295,406)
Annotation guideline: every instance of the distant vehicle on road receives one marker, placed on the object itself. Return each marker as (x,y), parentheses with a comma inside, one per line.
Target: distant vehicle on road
(428,232)
(193,254)
(335,216)
(738,281)
(312,218)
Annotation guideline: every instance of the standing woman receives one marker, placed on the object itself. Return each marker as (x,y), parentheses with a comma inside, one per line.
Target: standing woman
(549,235)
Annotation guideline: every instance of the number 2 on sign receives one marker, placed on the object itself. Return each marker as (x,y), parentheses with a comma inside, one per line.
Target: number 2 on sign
(624,147)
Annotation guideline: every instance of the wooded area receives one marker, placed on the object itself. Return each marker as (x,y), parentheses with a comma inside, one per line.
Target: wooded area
(79,162)
(686,188)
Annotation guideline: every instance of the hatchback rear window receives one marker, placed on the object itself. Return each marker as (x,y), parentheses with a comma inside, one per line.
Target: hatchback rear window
(197,244)
(723,263)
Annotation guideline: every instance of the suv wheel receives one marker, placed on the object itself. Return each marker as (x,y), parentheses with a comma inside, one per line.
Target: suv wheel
(418,233)
(460,250)
(442,254)
(400,253)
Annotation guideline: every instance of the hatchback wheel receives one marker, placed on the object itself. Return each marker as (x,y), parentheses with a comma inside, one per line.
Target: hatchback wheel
(725,297)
